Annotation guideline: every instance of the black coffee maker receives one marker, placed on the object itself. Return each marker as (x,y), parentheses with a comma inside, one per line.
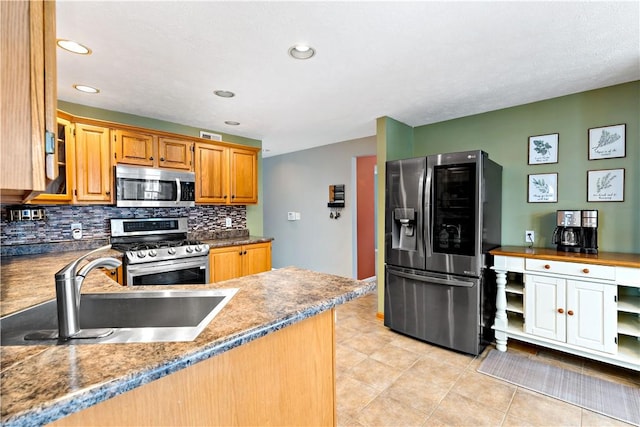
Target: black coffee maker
(589,225)
(568,233)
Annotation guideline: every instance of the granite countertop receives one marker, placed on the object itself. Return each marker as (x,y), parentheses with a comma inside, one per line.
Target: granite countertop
(43,383)
(616,259)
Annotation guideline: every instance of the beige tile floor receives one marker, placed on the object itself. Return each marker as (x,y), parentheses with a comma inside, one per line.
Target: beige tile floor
(387,379)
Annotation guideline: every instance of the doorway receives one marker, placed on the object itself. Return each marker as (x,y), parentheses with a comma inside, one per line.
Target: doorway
(365,218)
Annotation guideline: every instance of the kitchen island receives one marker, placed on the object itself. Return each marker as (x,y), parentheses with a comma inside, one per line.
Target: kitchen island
(266,358)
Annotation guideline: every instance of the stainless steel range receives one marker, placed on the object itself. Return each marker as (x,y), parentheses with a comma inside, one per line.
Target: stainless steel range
(156,251)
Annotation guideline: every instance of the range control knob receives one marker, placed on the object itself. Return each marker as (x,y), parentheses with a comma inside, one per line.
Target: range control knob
(189,249)
(152,252)
(172,251)
(199,248)
(141,254)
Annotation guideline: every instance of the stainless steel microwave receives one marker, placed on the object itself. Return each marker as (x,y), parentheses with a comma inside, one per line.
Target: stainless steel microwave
(154,188)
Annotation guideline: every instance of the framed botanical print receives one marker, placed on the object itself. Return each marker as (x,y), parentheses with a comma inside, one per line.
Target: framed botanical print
(542,188)
(607,142)
(543,149)
(606,185)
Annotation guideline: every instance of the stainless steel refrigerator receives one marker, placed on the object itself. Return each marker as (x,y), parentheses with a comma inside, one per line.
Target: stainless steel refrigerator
(443,214)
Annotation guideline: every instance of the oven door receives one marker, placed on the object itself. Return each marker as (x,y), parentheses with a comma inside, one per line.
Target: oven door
(187,271)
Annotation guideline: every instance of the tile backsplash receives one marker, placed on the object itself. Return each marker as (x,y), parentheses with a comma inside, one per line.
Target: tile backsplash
(56,228)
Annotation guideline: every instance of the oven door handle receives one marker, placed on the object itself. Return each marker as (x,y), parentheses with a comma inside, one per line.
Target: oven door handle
(179,191)
(439,281)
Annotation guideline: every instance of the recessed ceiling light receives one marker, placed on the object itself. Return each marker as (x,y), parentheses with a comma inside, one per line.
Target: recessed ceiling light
(86,89)
(224,93)
(232,123)
(74,47)
(301,51)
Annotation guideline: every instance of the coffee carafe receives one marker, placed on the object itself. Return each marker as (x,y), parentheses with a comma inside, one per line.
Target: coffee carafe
(568,233)
(590,231)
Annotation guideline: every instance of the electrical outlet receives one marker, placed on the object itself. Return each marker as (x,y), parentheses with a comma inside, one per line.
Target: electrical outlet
(227,222)
(76,230)
(529,236)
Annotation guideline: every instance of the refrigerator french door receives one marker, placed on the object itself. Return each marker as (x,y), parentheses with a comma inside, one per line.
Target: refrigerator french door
(442,216)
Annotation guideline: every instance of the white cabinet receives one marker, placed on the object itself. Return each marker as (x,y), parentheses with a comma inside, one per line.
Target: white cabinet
(576,312)
(583,308)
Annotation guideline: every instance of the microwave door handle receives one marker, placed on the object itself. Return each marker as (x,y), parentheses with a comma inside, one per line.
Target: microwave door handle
(179,191)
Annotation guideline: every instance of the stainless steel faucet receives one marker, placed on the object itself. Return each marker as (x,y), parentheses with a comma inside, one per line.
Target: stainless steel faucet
(68,284)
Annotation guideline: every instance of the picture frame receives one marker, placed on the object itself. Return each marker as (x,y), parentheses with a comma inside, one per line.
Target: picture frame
(608,142)
(605,185)
(542,188)
(543,149)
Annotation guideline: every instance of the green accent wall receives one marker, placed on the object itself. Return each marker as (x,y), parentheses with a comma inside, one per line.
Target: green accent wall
(254,212)
(504,134)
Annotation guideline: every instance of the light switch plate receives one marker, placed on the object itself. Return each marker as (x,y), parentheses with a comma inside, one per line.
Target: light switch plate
(227,222)
(291,216)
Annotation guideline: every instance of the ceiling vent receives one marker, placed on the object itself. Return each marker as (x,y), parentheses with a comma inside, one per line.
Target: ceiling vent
(210,136)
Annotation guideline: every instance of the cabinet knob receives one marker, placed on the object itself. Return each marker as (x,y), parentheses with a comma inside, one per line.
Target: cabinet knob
(561,310)
(113,272)
(151,158)
(233,196)
(585,270)
(240,253)
(224,197)
(570,312)
(108,193)
(547,266)
(244,253)
(162,159)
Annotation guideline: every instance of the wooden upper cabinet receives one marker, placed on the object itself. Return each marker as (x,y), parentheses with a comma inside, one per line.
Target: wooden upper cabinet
(244,176)
(226,175)
(175,153)
(134,148)
(93,164)
(28,101)
(137,148)
(212,173)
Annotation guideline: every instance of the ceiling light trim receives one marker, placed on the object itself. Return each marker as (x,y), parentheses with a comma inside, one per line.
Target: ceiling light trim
(73,47)
(86,89)
(301,51)
(224,93)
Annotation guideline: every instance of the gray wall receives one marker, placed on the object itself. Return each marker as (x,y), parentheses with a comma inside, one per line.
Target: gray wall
(299,182)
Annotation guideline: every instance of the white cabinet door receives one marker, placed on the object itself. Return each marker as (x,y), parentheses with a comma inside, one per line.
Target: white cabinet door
(592,315)
(545,307)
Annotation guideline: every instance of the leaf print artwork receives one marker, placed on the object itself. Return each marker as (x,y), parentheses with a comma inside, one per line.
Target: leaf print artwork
(607,142)
(604,182)
(541,186)
(541,147)
(606,138)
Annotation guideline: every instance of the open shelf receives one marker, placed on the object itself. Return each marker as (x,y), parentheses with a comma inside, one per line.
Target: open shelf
(515,288)
(629,303)
(629,324)
(515,305)
(629,348)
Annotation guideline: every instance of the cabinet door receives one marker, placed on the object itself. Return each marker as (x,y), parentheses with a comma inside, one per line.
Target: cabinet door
(93,164)
(256,258)
(134,148)
(60,189)
(174,153)
(211,173)
(225,263)
(244,176)
(28,101)
(592,315)
(545,307)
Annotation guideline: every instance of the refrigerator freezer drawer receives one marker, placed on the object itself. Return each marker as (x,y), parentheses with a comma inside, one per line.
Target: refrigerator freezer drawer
(433,309)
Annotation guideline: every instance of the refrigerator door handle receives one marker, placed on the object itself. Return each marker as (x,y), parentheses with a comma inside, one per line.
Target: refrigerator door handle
(427,213)
(448,282)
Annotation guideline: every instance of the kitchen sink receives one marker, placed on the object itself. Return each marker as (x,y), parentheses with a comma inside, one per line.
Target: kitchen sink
(127,317)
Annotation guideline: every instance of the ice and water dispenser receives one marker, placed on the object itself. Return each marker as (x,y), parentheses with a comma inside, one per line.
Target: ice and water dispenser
(404,229)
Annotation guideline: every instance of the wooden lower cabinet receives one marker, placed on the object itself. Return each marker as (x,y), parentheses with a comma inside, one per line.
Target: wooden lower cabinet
(236,261)
(115,274)
(284,378)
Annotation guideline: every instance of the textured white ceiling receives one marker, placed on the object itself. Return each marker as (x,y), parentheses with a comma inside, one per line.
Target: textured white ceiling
(417,62)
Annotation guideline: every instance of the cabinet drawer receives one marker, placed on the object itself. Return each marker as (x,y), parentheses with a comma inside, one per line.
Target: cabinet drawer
(571,268)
